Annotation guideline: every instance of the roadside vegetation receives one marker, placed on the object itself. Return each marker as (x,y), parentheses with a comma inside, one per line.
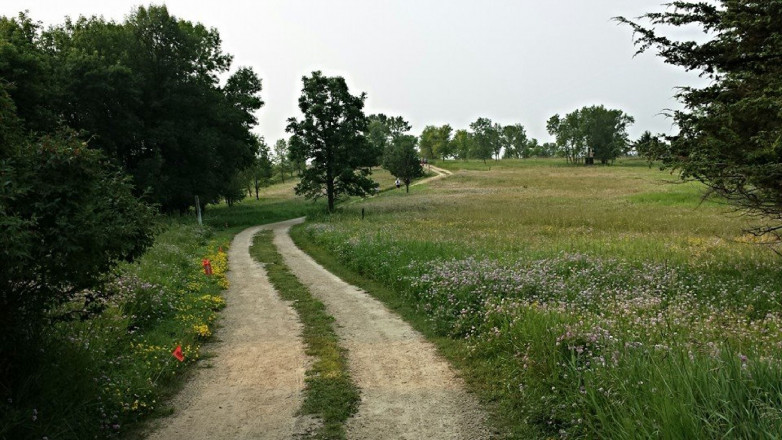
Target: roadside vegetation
(588,302)
(330,393)
(110,367)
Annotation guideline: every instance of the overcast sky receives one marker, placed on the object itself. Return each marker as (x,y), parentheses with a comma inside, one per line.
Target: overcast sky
(431,61)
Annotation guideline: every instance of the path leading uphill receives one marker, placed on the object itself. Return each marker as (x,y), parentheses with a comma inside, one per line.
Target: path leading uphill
(407,390)
(441,172)
(254,386)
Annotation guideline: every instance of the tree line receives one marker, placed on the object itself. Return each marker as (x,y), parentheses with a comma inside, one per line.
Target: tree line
(146,92)
(102,125)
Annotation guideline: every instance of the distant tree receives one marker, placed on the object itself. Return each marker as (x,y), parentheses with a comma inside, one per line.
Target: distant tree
(546,149)
(260,173)
(402,161)
(378,137)
(26,68)
(486,139)
(429,138)
(443,147)
(605,131)
(514,141)
(462,144)
(569,141)
(281,159)
(729,131)
(590,132)
(650,147)
(331,137)
(532,148)
(381,131)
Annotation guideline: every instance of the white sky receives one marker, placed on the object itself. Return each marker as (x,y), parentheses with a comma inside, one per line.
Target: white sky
(431,61)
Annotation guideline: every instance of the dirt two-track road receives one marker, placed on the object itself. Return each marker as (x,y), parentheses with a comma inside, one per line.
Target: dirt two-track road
(253,388)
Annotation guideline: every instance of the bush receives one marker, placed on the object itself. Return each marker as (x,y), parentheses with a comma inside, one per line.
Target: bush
(68,218)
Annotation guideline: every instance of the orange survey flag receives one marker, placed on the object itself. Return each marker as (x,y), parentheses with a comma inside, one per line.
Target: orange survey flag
(178,353)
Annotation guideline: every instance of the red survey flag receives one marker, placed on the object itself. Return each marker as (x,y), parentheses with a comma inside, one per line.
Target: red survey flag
(178,353)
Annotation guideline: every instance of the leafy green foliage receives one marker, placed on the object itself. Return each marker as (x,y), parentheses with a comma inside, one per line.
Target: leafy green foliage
(651,147)
(730,132)
(145,91)
(462,144)
(402,161)
(514,141)
(68,219)
(436,142)
(591,132)
(331,136)
(381,131)
(485,139)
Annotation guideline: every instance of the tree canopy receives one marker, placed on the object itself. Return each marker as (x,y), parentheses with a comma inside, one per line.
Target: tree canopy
(485,139)
(402,161)
(147,92)
(730,132)
(593,131)
(331,136)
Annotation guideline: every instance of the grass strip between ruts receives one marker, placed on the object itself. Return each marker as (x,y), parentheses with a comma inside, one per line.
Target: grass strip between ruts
(330,392)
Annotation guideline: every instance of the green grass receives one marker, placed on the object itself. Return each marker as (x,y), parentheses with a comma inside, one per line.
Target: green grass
(102,377)
(594,302)
(330,393)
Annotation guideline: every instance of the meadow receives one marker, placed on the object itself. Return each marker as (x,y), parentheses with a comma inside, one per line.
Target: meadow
(584,302)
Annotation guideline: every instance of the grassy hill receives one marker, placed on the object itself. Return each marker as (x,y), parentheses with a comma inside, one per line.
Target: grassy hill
(591,302)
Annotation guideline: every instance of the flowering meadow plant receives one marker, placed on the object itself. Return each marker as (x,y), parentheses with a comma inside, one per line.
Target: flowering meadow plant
(581,321)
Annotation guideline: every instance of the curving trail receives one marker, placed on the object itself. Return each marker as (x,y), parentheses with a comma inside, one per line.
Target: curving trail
(441,172)
(254,388)
(407,390)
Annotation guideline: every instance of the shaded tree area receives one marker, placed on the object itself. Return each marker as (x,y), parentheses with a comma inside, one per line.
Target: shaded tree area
(593,132)
(436,142)
(729,131)
(381,131)
(401,159)
(331,138)
(145,91)
(68,217)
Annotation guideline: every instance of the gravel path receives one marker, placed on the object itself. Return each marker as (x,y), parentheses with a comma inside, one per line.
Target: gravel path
(254,386)
(407,390)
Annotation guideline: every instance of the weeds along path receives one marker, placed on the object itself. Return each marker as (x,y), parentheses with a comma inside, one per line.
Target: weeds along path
(407,390)
(253,389)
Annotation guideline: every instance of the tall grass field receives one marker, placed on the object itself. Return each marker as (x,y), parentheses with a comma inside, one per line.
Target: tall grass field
(587,302)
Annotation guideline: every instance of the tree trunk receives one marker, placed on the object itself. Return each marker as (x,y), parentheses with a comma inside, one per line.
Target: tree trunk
(330,191)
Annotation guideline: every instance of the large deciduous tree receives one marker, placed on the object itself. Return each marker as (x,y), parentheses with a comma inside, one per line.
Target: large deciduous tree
(486,139)
(730,132)
(331,137)
(381,131)
(514,141)
(593,131)
(462,144)
(146,91)
(402,161)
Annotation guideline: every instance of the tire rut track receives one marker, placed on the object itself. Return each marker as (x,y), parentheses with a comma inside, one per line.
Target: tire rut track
(407,390)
